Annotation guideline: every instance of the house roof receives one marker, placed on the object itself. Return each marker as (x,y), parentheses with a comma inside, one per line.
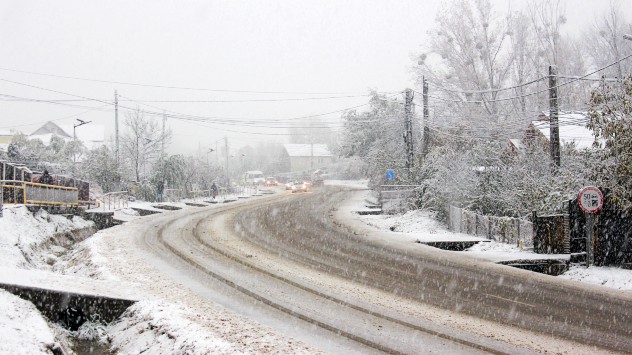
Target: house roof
(517,143)
(572,128)
(51,128)
(307,150)
(91,134)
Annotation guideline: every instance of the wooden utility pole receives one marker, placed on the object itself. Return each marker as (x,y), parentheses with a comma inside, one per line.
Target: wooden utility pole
(408,126)
(164,120)
(116,128)
(426,134)
(554,123)
(226,146)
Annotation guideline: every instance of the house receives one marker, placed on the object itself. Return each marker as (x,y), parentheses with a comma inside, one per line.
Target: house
(92,135)
(5,139)
(572,130)
(308,157)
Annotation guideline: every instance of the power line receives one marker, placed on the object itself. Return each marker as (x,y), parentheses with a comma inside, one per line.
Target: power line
(56,119)
(180,116)
(177,87)
(484,91)
(541,91)
(201,101)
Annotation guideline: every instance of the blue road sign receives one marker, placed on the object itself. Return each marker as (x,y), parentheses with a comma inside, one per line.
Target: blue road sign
(390,174)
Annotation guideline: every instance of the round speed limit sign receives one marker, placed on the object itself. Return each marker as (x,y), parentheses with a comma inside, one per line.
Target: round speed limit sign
(590,199)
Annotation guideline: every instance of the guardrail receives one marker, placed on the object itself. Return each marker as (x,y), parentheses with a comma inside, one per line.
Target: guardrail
(32,193)
(172,195)
(115,200)
(200,194)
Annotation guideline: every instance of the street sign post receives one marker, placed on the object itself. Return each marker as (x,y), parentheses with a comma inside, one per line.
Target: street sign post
(390,174)
(590,201)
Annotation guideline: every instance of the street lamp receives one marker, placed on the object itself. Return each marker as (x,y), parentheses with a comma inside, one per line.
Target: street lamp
(210,150)
(74,127)
(74,138)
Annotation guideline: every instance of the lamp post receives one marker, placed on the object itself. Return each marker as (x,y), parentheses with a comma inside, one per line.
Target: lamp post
(74,127)
(74,138)
(210,150)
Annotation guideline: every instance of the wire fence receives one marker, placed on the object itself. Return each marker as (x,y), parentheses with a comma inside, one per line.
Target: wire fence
(500,229)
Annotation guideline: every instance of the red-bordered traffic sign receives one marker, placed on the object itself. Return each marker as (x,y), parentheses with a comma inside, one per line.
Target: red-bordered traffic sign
(590,199)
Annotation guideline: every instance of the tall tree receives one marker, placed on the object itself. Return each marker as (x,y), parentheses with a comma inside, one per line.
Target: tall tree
(470,51)
(100,166)
(142,142)
(611,121)
(605,44)
(376,136)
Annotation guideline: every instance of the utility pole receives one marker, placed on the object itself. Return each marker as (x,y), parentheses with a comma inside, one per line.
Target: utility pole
(311,142)
(116,128)
(164,120)
(226,146)
(408,126)
(426,134)
(554,123)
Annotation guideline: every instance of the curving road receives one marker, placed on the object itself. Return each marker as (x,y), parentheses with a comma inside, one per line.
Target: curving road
(358,291)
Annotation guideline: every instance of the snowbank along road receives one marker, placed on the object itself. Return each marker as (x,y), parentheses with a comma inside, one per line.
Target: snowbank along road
(289,263)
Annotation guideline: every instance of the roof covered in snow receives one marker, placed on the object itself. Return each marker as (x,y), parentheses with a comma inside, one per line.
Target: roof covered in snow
(90,134)
(572,128)
(307,150)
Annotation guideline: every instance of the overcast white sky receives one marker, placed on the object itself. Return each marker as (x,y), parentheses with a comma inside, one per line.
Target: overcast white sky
(296,49)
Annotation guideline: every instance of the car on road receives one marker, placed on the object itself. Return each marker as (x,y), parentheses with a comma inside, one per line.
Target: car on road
(289,183)
(299,186)
(271,181)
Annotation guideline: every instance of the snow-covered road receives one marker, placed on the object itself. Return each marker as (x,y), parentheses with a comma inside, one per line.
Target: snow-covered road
(186,307)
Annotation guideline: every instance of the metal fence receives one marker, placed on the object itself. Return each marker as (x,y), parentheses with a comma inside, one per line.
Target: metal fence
(115,200)
(31,193)
(396,198)
(500,229)
(172,195)
(200,194)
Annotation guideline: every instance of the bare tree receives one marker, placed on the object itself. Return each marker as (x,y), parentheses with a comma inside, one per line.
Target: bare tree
(604,41)
(470,47)
(522,49)
(143,142)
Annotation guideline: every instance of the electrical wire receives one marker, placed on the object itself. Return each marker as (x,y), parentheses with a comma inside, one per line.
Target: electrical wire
(430,83)
(179,87)
(179,116)
(544,90)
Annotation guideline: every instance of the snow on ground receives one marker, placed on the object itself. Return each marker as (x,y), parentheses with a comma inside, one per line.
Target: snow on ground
(23,245)
(23,234)
(23,330)
(612,277)
(356,184)
(160,323)
(420,226)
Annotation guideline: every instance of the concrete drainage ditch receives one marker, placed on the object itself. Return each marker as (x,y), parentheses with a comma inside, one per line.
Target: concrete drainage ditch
(551,267)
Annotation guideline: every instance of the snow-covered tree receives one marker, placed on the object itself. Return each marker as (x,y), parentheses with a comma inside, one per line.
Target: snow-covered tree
(469,50)
(604,42)
(611,121)
(142,142)
(376,136)
(17,149)
(100,167)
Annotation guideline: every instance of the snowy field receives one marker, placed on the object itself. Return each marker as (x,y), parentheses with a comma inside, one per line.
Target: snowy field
(162,325)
